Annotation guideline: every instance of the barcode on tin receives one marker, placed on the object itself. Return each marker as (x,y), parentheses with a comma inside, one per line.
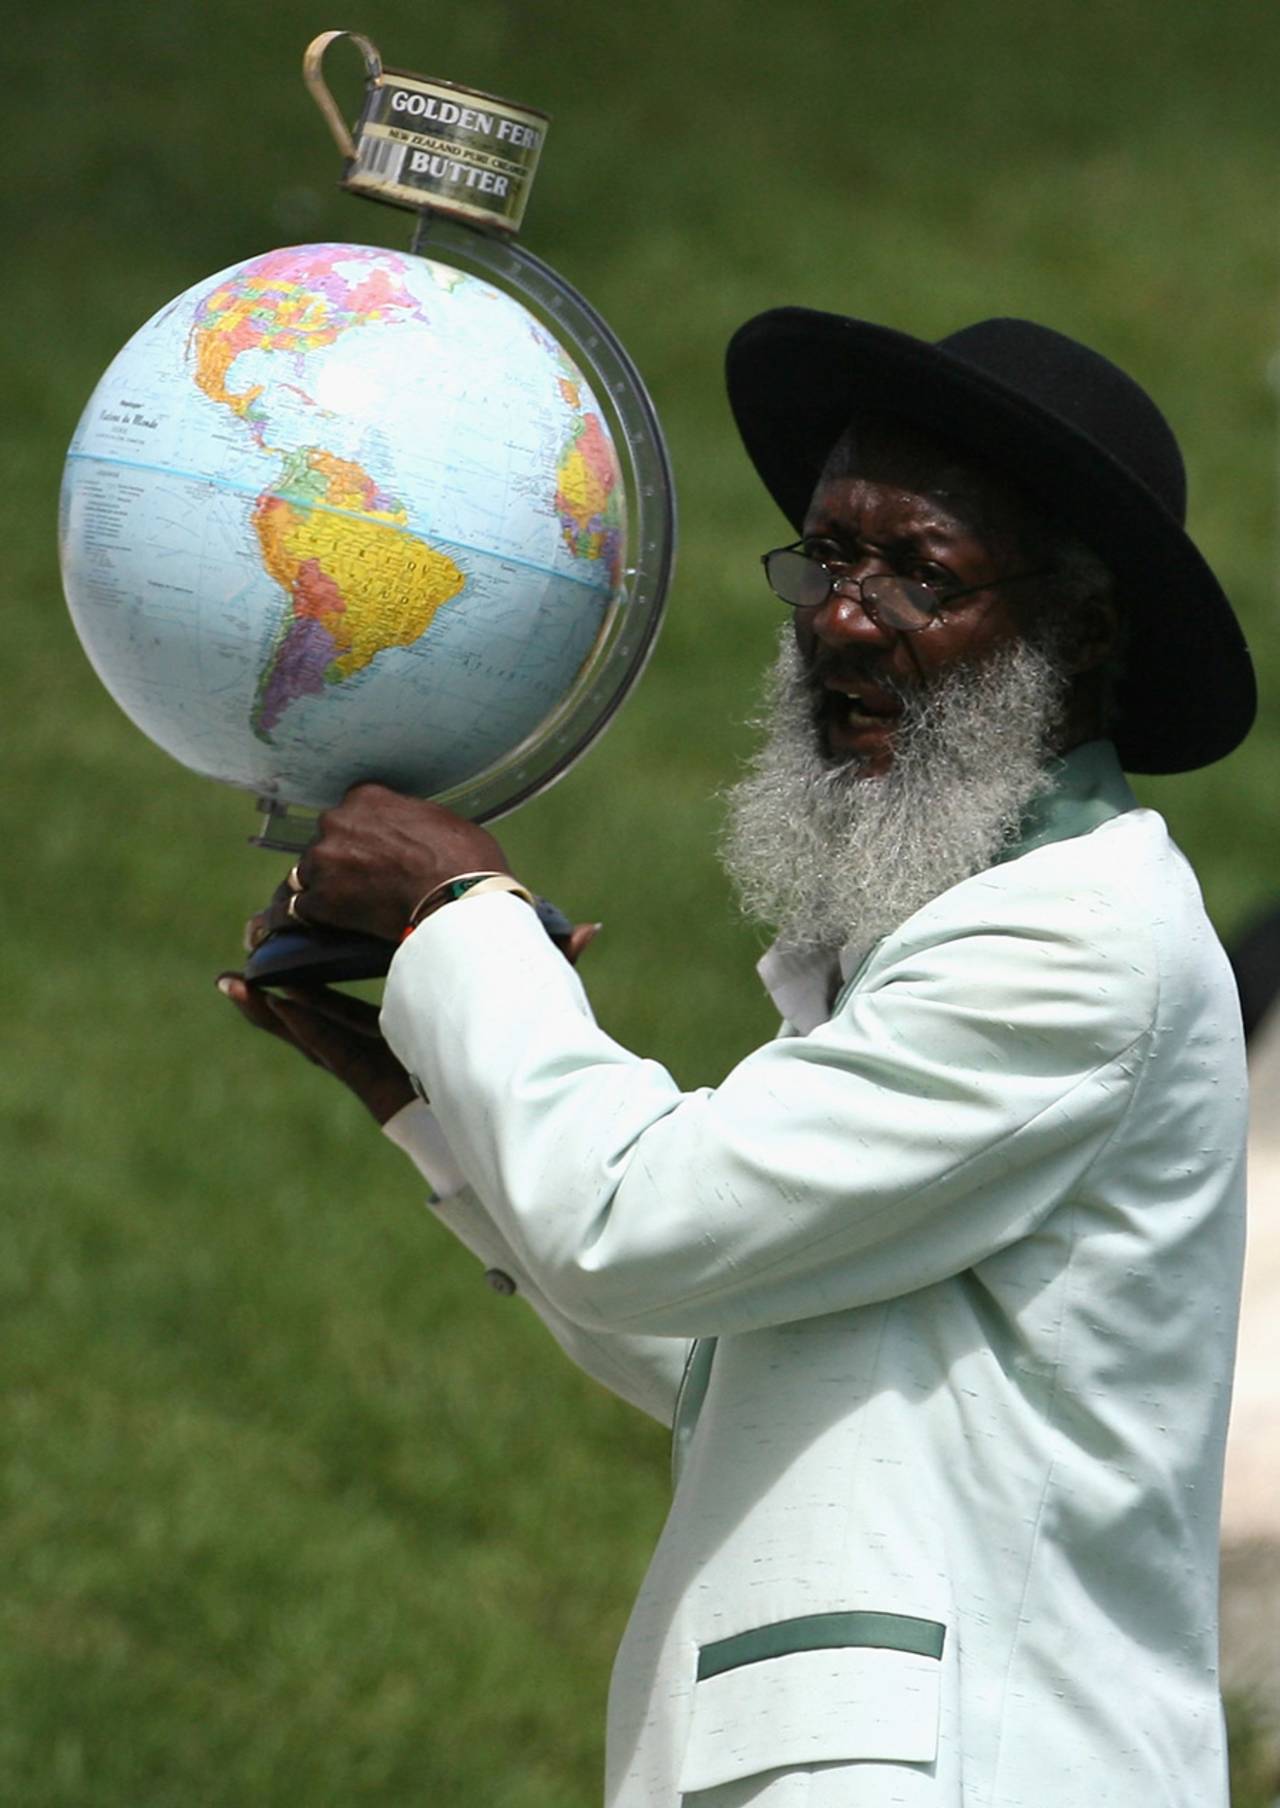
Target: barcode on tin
(380,157)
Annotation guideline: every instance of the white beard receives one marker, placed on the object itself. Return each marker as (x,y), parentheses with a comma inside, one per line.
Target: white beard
(827,855)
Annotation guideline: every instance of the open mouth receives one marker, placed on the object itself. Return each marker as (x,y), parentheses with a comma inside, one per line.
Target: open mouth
(858,703)
(851,716)
(858,707)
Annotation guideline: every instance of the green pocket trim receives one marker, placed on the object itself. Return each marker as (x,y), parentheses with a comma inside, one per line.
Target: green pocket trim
(823,1632)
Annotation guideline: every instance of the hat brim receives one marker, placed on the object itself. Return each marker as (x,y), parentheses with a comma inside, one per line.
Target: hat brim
(797,378)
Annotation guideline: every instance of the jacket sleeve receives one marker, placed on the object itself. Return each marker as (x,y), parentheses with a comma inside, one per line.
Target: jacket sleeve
(962,1088)
(644,1371)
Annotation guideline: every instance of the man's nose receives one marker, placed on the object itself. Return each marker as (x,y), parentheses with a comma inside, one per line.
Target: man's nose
(843,619)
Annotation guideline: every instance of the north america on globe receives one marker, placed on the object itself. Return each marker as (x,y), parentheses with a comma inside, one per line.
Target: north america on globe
(362,517)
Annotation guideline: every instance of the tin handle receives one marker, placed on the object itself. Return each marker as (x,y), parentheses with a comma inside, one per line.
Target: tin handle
(313,57)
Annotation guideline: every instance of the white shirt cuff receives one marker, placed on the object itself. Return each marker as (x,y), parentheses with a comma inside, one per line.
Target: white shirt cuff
(416,1130)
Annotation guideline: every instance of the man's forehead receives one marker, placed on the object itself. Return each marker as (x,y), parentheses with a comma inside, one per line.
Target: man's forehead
(905,461)
(876,444)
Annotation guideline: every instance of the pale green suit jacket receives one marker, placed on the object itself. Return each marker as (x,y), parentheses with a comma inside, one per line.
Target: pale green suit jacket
(941,1297)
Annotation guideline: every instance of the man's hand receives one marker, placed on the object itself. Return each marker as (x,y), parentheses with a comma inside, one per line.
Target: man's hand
(374,857)
(333,1030)
(340,1033)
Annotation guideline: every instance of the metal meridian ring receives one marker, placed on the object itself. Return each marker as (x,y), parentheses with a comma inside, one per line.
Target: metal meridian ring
(623,648)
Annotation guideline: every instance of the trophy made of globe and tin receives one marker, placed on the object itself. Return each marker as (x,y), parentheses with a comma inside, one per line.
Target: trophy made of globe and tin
(341,513)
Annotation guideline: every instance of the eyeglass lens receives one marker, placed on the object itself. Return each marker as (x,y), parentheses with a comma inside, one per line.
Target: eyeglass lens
(806,583)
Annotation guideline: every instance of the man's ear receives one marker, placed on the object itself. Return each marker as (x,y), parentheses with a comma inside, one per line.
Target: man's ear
(1091,636)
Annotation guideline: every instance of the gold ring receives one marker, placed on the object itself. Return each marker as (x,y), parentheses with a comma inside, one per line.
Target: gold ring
(293,879)
(291,908)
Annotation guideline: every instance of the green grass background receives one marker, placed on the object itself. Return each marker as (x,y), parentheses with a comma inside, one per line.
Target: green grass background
(295,1509)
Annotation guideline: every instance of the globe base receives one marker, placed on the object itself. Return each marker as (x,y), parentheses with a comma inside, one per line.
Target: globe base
(317,957)
(322,957)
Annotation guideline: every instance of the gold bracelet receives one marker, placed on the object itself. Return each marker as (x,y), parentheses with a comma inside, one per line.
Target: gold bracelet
(462,886)
(501,882)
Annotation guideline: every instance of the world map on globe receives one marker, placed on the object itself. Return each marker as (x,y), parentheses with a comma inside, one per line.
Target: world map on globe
(338,513)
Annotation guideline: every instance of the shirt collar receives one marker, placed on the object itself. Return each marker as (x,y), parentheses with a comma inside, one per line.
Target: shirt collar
(1088,789)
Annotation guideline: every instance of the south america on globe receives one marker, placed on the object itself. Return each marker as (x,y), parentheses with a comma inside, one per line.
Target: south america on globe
(341,513)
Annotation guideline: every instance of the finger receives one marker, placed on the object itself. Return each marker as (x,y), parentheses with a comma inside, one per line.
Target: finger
(282,907)
(326,1044)
(265,1009)
(254,1006)
(338,1007)
(284,904)
(249,1001)
(580,939)
(287,910)
(332,1044)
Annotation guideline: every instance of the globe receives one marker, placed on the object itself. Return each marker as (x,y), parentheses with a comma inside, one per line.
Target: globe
(342,513)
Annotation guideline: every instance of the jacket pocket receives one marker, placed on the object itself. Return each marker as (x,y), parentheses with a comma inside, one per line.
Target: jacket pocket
(828,1688)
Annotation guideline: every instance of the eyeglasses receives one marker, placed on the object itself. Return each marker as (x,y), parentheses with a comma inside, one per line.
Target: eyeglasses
(904,604)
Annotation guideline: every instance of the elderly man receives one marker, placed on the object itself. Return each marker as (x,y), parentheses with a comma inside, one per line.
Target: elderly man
(938,1288)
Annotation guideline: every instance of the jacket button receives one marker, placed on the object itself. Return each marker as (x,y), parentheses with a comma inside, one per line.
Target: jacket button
(499,1280)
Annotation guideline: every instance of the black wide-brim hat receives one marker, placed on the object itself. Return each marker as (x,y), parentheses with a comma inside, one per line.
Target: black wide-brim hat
(1064,425)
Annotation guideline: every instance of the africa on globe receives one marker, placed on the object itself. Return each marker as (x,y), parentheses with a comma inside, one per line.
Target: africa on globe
(341,513)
